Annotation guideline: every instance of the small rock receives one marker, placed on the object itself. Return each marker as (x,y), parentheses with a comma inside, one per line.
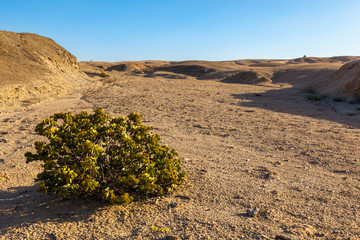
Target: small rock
(51,236)
(189,237)
(253,212)
(173,204)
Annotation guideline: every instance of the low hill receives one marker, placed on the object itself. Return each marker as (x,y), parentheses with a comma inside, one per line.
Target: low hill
(35,67)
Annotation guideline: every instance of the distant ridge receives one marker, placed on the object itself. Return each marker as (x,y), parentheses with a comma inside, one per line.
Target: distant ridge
(332,76)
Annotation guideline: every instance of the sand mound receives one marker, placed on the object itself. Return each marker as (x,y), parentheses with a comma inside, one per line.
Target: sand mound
(345,82)
(35,67)
(247,77)
(202,70)
(190,70)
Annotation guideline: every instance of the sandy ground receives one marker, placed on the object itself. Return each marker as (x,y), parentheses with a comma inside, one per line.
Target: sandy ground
(242,146)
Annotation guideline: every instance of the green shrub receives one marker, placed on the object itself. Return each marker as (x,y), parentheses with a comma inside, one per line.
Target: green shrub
(104,74)
(93,154)
(310,90)
(339,99)
(315,97)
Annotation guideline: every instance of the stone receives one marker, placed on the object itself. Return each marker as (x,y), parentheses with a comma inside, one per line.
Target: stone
(51,236)
(173,204)
(253,212)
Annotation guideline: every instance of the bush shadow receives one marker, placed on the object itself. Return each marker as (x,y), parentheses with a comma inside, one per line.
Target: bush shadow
(24,205)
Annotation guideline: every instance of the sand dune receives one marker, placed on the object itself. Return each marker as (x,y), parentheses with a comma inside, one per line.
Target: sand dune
(246,132)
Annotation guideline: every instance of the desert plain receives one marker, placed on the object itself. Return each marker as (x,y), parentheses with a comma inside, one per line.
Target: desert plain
(279,135)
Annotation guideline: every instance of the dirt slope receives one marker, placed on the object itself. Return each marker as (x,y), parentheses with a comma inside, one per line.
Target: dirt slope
(345,82)
(33,67)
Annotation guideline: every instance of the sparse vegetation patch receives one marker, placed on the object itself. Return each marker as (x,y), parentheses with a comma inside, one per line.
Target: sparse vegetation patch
(339,99)
(316,97)
(104,74)
(310,90)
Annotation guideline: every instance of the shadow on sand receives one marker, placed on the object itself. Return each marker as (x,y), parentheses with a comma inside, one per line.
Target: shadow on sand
(24,205)
(295,101)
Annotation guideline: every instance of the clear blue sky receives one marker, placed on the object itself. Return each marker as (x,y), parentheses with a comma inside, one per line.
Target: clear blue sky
(111,30)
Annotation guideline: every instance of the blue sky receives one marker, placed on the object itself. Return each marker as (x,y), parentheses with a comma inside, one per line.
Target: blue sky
(122,30)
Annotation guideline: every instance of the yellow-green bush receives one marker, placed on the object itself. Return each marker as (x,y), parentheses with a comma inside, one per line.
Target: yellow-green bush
(92,154)
(104,74)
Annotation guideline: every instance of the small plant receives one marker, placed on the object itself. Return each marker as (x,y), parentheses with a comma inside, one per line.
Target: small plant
(104,74)
(351,114)
(339,99)
(358,108)
(315,97)
(310,90)
(113,158)
(161,230)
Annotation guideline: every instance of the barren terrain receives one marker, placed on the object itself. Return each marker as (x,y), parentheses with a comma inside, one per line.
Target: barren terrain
(246,132)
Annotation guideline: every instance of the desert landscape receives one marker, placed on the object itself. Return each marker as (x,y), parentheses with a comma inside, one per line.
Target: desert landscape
(278,135)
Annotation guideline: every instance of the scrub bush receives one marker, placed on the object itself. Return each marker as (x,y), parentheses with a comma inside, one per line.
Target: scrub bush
(104,74)
(114,158)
